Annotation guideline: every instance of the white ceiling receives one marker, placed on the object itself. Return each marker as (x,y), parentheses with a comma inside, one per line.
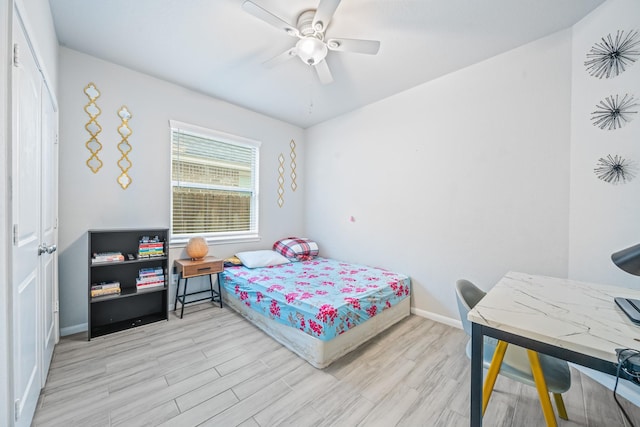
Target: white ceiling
(216,48)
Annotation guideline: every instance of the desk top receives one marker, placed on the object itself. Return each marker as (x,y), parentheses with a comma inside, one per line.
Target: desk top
(573,315)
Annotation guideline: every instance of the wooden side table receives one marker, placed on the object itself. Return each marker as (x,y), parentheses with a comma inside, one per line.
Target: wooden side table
(188,268)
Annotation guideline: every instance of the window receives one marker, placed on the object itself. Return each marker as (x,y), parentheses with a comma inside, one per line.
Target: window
(214,183)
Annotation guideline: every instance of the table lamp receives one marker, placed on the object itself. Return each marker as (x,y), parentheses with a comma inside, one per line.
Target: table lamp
(628,259)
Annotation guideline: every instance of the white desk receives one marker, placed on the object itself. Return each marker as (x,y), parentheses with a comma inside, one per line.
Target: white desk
(575,321)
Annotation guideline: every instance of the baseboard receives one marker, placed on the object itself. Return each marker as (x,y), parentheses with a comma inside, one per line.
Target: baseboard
(75,329)
(437,317)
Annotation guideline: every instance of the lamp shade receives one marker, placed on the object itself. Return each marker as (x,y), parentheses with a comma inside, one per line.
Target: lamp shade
(197,248)
(311,50)
(628,259)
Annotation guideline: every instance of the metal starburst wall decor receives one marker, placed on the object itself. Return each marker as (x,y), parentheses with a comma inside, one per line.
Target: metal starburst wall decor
(612,112)
(611,56)
(615,169)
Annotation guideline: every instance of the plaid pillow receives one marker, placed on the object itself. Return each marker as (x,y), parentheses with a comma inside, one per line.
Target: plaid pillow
(296,248)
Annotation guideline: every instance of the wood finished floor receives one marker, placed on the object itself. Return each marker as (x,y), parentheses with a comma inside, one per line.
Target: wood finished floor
(213,368)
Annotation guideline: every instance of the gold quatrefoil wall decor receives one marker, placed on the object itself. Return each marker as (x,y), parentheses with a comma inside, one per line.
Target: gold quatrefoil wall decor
(280,180)
(294,185)
(93,145)
(124,147)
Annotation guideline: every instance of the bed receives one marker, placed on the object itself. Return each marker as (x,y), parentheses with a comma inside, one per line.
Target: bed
(321,308)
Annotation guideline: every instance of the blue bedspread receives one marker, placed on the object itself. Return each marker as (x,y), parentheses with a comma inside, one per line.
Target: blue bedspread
(322,297)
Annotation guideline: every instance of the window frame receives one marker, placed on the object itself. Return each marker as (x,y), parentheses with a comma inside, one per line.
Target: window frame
(226,138)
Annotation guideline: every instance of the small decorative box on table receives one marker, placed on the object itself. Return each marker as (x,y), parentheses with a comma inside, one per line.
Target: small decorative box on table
(188,268)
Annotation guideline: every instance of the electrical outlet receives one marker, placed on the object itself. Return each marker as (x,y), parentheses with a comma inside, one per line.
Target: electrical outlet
(174,279)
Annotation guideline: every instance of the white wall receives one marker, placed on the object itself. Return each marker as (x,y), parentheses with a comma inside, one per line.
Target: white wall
(463,177)
(96,201)
(604,218)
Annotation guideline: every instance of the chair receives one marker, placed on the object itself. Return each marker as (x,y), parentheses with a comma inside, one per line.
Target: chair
(517,363)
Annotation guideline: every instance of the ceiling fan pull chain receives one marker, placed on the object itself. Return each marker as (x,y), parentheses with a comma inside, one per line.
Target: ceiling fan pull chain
(311,80)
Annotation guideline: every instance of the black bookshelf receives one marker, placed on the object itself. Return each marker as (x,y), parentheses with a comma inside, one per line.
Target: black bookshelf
(130,307)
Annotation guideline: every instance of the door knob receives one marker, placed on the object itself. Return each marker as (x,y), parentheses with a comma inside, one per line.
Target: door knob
(43,248)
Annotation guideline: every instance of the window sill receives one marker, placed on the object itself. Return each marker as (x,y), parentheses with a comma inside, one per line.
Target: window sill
(222,240)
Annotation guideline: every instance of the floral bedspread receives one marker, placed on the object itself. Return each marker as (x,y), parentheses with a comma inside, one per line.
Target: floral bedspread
(322,297)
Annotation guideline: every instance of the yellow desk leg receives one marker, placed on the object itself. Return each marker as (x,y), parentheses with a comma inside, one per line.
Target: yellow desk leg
(492,373)
(543,391)
(562,411)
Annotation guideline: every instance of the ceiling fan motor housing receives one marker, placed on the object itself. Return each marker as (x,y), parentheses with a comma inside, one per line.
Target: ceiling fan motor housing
(311,48)
(305,25)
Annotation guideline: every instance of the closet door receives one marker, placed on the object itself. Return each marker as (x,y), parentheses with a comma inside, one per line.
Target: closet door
(26,218)
(49,211)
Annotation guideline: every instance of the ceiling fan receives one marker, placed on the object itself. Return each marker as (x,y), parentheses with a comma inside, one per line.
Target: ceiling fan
(312,46)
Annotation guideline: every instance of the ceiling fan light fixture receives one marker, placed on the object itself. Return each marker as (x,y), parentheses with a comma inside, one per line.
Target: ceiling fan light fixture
(311,50)
(333,44)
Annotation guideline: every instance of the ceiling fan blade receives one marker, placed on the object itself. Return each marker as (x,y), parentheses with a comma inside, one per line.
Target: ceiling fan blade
(324,13)
(323,71)
(278,59)
(268,17)
(370,47)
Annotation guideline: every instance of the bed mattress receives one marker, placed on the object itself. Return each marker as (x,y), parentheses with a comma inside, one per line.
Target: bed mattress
(322,297)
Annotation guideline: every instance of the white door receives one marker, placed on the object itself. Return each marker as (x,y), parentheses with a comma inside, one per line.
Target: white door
(48,259)
(26,276)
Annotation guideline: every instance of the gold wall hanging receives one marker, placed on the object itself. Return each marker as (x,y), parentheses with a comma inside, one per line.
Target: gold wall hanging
(281,180)
(93,145)
(294,185)
(124,147)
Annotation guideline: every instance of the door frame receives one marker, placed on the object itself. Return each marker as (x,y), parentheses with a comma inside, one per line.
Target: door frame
(6,324)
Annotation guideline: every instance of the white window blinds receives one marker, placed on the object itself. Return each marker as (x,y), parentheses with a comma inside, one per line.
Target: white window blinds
(214,180)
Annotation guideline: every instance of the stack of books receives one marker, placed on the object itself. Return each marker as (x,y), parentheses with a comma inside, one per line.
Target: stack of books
(150,278)
(150,247)
(105,288)
(107,257)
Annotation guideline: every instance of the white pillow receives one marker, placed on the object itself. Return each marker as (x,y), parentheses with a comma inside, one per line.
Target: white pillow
(264,258)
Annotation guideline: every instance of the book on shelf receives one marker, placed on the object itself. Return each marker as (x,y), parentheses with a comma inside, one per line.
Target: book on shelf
(105,285)
(147,239)
(150,285)
(102,292)
(150,247)
(105,288)
(150,253)
(152,271)
(107,257)
(149,279)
